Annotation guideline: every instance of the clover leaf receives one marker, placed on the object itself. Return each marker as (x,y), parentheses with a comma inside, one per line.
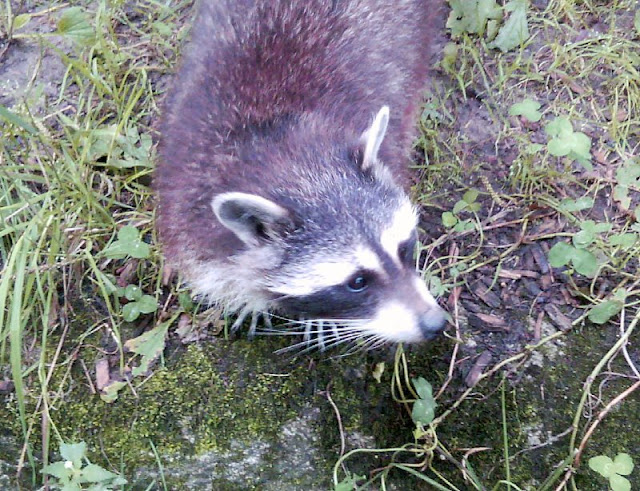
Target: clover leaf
(627,177)
(527,109)
(571,205)
(424,408)
(146,304)
(565,142)
(621,465)
(584,261)
(128,243)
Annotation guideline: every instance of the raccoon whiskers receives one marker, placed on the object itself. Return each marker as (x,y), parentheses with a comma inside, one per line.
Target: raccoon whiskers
(324,334)
(317,334)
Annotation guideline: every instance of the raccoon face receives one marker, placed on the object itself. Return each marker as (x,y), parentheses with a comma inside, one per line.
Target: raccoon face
(346,252)
(370,287)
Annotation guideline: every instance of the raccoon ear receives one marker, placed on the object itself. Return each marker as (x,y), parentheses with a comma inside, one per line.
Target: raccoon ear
(251,217)
(372,138)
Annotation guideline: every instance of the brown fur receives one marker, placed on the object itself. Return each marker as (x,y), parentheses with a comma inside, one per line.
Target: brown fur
(266,85)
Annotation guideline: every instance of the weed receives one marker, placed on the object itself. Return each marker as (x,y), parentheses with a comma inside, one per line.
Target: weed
(614,470)
(75,471)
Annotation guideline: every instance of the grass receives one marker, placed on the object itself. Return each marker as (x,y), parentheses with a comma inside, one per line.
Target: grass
(75,168)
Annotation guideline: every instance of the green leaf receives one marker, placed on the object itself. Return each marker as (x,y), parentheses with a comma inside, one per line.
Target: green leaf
(533,148)
(620,294)
(471,16)
(474,207)
(132,292)
(464,226)
(623,464)
(74,452)
(16,120)
(423,410)
(515,30)
(600,227)
(423,388)
(149,345)
(128,233)
(128,244)
(95,473)
(75,25)
(636,21)
(619,483)
(558,147)
(110,393)
(185,301)
(625,240)
(559,127)
(565,142)
(585,262)
(629,173)
(349,483)
(601,313)
(561,254)
(73,486)
(580,146)
(527,109)
(147,304)
(58,470)
(488,9)
(449,219)
(571,205)
(628,176)
(602,465)
(163,29)
(621,195)
(20,21)
(582,239)
(459,206)
(436,287)
(470,196)
(130,312)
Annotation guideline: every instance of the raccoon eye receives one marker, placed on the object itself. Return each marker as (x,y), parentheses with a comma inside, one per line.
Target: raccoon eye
(405,251)
(358,283)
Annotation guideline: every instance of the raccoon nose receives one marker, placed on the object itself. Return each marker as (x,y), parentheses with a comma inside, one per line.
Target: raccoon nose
(432,322)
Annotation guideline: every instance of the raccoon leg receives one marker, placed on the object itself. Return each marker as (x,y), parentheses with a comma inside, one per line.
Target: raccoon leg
(240,319)
(254,324)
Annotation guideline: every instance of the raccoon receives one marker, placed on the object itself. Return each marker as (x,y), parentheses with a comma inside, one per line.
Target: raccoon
(284,163)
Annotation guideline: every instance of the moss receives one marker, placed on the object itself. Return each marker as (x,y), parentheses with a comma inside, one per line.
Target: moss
(541,400)
(223,405)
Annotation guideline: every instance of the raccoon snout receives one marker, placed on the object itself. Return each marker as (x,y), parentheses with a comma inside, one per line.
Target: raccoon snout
(432,322)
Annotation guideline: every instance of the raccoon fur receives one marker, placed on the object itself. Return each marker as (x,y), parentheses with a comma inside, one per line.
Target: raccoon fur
(284,163)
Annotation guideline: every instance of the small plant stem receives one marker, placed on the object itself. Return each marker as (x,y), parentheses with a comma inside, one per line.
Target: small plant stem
(505,436)
(599,418)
